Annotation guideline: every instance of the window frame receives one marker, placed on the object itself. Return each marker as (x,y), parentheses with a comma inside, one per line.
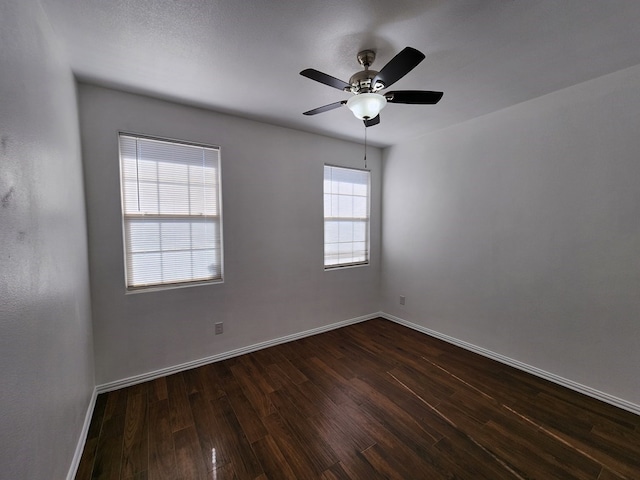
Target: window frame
(125,243)
(367,261)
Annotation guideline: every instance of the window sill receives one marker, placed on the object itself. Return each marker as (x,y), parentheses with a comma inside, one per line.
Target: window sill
(349,265)
(160,288)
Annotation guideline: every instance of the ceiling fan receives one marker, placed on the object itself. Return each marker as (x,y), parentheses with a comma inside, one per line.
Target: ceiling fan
(367,102)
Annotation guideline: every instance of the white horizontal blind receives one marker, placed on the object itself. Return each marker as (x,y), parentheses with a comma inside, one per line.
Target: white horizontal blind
(346,216)
(171,212)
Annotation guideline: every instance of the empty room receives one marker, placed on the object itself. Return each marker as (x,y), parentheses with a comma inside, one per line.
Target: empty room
(319,239)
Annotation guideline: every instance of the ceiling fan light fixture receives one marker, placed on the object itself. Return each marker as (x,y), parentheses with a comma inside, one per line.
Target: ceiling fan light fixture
(366,106)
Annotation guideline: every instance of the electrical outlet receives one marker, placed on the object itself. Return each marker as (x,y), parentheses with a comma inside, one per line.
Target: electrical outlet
(402,299)
(219,328)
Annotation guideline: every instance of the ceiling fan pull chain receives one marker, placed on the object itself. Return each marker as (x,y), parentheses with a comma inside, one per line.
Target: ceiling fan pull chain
(365,147)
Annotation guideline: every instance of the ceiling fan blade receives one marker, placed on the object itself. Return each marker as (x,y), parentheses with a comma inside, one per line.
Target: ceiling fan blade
(398,66)
(325,108)
(415,97)
(374,121)
(324,78)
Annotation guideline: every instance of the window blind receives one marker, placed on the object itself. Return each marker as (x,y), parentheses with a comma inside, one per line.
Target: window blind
(346,216)
(171,212)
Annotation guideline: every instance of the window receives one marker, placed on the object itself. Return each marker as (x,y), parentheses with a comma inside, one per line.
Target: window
(346,217)
(171,212)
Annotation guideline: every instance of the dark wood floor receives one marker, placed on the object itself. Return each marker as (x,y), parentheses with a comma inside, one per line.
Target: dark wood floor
(368,401)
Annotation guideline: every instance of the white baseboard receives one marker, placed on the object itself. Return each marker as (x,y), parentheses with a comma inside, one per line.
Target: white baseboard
(591,392)
(75,463)
(127,382)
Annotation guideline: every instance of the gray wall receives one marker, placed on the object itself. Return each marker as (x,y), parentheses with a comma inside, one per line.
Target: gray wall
(519,232)
(46,354)
(275,283)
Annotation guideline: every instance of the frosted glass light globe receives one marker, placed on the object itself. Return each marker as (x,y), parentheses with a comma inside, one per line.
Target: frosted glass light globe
(366,106)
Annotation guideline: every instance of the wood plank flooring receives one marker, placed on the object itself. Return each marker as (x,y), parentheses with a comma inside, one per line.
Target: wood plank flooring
(368,401)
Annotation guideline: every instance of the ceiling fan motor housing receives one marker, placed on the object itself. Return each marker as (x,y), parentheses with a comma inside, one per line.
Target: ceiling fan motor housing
(361,82)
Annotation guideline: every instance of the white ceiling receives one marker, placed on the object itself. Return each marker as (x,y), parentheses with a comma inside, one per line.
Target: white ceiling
(244,57)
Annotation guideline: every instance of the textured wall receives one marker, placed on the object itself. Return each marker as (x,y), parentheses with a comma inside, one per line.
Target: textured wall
(46,359)
(519,232)
(275,283)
